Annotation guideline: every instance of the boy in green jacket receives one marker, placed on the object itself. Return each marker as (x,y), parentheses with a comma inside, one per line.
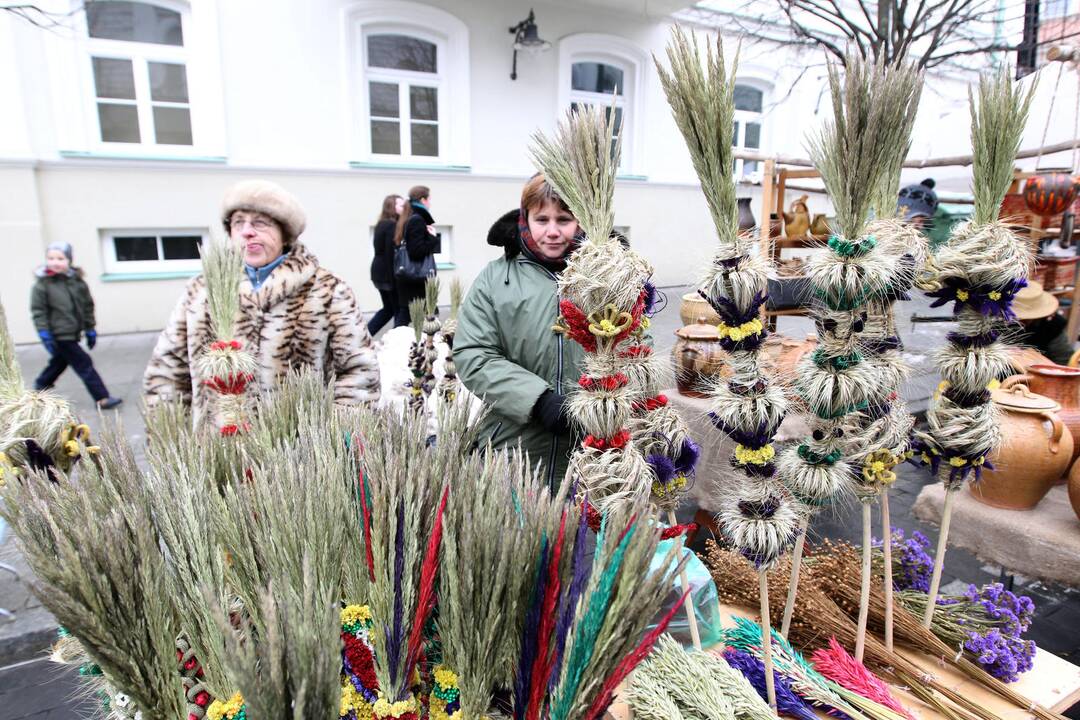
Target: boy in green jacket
(63,310)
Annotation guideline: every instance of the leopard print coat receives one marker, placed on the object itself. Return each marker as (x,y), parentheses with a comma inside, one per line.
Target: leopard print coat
(301,316)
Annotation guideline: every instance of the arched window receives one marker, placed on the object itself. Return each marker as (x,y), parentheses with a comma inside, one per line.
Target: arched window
(139,67)
(600,83)
(604,70)
(410,80)
(403,85)
(749,104)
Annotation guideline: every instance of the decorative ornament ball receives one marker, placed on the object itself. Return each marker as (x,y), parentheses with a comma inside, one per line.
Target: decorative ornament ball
(1050,194)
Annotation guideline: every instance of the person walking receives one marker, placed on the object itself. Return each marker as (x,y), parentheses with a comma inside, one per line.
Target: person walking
(505,349)
(63,312)
(294,313)
(416,232)
(382,262)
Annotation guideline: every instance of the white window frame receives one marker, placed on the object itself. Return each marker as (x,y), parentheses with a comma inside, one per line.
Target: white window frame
(406,79)
(762,118)
(73,89)
(632,60)
(140,55)
(113,266)
(451,37)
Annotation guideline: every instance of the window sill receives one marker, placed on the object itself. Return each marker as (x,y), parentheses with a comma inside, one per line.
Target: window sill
(366,165)
(164,275)
(149,157)
(446,266)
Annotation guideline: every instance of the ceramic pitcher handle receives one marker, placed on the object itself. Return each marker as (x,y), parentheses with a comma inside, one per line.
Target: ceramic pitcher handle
(1014,379)
(1056,432)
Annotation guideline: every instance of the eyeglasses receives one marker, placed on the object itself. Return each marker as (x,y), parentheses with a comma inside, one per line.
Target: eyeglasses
(258,224)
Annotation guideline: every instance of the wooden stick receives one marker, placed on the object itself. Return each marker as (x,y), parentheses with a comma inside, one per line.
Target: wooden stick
(793,583)
(766,639)
(939,558)
(864,597)
(688,603)
(886,534)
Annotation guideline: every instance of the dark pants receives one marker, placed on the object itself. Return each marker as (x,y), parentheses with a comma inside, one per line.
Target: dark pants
(386,313)
(68,352)
(406,292)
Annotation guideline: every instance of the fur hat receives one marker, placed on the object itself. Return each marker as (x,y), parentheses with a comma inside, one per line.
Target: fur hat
(268,198)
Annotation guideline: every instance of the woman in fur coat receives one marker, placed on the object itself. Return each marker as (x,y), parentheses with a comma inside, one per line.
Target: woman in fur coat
(294,313)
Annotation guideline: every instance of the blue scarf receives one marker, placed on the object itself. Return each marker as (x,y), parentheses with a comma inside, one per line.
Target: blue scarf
(258,276)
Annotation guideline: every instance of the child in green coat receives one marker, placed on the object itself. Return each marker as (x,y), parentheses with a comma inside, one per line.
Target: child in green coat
(63,311)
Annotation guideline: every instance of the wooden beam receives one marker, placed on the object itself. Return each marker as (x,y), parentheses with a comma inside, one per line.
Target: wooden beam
(953,161)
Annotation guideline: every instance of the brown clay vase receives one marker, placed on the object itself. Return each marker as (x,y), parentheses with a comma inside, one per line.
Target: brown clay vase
(1074,489)
(699,358)
(1036,450)
(694,306)
(1059,383)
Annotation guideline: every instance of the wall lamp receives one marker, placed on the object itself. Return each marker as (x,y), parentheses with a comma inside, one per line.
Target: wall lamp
(527,38)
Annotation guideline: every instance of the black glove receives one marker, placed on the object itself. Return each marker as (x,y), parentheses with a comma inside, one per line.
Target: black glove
(91,338)
(550,411)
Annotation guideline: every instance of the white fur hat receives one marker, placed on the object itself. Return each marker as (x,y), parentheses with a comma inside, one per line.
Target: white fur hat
(268,198)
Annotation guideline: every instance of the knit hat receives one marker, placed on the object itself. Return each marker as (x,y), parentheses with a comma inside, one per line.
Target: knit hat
(64,247)
(268,198)
(918,200)
(1032,302)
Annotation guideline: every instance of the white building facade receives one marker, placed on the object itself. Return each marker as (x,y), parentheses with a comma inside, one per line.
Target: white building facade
(126,122)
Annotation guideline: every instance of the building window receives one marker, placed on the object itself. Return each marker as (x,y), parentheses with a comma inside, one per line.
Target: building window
(607,71)
(402,73)
(603,84)
(140,251)
(409,74)
(749,104)
(139,68)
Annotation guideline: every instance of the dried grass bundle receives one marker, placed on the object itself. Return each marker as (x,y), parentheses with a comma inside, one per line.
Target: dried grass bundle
(11,382)
(692,686)
(700,91)
(292,671)
(580,162)
(498,512)
(605,637)
(103,579)
(817,619)
(610,479)
(872,114)
(999,114)
(761,520)
(832,570)
(401,487)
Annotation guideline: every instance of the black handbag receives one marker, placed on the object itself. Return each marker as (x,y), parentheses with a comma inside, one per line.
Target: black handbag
(405,268)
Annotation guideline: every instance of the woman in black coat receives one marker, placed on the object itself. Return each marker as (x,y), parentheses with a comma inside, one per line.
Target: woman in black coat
(416,230)
(382,263)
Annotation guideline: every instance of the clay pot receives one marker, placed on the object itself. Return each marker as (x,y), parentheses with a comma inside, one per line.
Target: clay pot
(1021,358)
(699,357)
(746,215)
(1059,383)
(1037,449)
(1074,489)
(693,307)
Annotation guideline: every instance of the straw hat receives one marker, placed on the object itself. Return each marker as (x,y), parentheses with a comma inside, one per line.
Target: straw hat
(1032,302)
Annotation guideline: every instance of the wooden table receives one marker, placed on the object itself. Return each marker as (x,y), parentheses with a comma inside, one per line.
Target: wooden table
(1052,682)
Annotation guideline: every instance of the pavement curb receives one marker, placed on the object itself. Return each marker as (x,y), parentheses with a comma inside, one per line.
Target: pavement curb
(30,645)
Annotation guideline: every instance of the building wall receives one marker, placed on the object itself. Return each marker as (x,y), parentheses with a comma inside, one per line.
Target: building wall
(274,85)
